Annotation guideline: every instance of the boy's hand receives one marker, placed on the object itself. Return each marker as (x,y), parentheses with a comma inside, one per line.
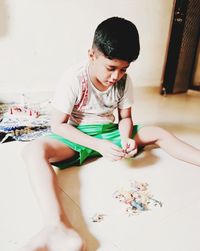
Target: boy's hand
(110,151)
(130,147)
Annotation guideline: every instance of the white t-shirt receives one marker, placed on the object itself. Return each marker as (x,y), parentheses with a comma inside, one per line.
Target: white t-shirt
(77,96)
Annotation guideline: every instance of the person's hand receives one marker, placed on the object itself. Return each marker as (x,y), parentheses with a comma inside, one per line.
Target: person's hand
(130,147)
(109,150)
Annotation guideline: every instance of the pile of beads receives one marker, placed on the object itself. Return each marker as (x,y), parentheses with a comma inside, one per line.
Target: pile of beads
(137,199)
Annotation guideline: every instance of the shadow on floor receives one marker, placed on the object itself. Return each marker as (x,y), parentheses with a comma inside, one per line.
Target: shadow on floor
(144,158)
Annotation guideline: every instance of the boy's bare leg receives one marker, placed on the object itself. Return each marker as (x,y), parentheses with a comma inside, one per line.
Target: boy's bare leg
(169,143)
(58,234)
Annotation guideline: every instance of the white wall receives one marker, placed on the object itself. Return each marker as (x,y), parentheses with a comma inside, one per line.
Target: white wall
(40,38)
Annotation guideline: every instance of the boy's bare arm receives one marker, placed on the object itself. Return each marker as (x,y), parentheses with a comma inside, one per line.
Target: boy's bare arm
(125,123)
(126,129)
(60,126)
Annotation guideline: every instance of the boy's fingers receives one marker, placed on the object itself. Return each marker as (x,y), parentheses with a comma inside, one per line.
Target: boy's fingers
(131,148)
(118,153)
(131,153)
(117,148)
(113,157)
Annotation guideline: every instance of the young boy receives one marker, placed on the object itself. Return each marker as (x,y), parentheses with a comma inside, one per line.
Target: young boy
(83,126)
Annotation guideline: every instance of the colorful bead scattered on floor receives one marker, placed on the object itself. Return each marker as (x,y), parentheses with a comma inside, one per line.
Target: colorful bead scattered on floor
(97,217)
(137,199)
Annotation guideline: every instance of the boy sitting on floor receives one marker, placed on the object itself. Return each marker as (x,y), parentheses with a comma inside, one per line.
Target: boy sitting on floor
(83,126)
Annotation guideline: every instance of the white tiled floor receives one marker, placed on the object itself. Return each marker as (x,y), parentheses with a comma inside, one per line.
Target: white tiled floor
(89,189)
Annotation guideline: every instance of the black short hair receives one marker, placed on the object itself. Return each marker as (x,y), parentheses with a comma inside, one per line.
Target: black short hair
(117,38)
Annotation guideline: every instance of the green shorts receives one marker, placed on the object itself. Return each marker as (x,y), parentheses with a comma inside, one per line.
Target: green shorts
(102,131)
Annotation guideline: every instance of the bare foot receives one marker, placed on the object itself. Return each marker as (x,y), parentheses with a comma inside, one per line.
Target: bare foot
(64,239)
(56,238)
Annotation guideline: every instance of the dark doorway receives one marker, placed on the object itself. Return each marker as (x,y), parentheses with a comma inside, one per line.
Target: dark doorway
(183,48)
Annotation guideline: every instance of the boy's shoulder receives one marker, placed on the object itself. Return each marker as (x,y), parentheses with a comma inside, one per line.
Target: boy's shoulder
(71,79)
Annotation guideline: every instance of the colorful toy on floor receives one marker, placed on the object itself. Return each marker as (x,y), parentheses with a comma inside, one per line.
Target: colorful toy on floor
(97,217)
(137,199)
(23,111)
(23,122)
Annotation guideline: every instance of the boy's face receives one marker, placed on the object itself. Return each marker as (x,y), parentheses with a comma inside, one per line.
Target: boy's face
(105,72)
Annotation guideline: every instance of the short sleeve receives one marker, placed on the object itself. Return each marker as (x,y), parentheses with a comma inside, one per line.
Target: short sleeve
(66,93)
(126,100)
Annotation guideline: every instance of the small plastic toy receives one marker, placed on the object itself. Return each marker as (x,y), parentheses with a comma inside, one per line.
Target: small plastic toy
(19,110)
(138,198)
(97,217)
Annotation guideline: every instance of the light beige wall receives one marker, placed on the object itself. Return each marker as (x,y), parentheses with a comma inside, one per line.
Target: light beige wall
(40,38)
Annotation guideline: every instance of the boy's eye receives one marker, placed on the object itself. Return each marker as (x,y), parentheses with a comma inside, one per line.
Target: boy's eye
(110,69)
(113,69)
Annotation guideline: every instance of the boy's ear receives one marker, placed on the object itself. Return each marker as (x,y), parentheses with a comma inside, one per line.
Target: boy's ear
(91,54)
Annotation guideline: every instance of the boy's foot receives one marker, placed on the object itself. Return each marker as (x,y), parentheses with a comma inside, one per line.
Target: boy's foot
(64,239)
(56,238)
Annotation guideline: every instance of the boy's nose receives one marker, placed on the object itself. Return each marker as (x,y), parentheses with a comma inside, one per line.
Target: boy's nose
(115,75)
